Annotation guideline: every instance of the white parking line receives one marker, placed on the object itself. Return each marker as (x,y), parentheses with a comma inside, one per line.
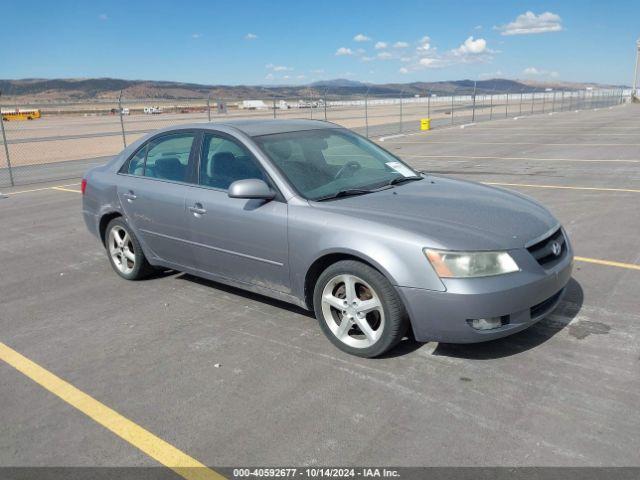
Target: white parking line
(533,159)
(582,144)
(42,189)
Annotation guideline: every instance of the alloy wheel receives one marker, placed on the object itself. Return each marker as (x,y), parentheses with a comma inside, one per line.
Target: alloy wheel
(353,311)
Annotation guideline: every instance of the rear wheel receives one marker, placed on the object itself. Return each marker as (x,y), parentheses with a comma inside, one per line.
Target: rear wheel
(125,253)
(358,309)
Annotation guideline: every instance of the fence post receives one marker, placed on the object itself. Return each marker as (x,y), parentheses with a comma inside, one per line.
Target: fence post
(572,101)
(401,95)
(209,107)
(544,100)
(124,138)
(491,107)
(325,104)
(451,108)
(428,105)
(6,149)
(533,99)
(473,106)
(520,103)
(506,106)
(366,113)
(273,101)
(311,103)
(553,103)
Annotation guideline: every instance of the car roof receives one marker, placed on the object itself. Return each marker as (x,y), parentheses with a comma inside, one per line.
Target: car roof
(255,128)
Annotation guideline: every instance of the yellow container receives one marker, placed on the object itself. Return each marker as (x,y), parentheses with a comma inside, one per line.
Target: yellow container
(425,124)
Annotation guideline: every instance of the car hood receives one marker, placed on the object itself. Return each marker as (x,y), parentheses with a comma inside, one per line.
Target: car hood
(451,214)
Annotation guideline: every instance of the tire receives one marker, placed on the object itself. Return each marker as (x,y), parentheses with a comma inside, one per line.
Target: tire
(383,313)
(125,255)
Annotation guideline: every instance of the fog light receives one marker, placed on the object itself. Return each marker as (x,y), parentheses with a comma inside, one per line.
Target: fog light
(486,323)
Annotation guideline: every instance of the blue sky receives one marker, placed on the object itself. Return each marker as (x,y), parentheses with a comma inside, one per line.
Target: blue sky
(290,42)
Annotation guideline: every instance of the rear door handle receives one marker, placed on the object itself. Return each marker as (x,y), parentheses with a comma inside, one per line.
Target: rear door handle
(197,209)
(130,196)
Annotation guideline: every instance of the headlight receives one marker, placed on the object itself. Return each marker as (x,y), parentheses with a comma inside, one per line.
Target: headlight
(470,264)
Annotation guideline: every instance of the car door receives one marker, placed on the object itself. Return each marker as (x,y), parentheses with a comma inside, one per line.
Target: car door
(243,240)
(152,191)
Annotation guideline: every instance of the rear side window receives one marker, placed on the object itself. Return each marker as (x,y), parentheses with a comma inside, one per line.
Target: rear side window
(224,161)
(168,157)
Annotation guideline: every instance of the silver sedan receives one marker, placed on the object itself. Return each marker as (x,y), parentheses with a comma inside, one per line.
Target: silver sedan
(315,215)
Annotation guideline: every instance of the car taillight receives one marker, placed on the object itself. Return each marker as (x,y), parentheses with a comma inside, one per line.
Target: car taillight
(83,186)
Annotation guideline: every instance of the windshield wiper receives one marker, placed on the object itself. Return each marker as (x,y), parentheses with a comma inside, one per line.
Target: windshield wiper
(345,193)
(348,192)
(397,180)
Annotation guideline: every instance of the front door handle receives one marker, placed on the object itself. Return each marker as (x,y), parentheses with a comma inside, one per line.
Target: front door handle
(197,210)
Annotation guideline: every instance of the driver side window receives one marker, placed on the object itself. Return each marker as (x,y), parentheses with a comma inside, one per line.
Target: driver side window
(223,161)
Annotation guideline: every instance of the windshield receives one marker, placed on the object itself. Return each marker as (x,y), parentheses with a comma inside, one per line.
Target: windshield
(323,163)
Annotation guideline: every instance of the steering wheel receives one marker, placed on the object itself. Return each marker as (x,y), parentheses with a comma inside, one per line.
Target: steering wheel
(350,166)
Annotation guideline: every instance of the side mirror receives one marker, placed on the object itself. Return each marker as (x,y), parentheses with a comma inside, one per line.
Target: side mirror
(251,188)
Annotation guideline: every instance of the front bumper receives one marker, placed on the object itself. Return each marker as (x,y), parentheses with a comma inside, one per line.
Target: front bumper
(525,297)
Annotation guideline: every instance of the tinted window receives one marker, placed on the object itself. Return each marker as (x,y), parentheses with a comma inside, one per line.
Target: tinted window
(168,157)
(225,161)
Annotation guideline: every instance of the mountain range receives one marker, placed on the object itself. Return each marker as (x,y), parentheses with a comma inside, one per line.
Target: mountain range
(80,89)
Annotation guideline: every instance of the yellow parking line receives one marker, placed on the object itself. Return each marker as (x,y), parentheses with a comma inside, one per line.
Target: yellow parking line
(62,189)
(40,189)
(608,263)
(562,187)
(165,453)
(536,159)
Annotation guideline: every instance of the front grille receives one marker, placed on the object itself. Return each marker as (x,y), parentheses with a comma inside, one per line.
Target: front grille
(543,252)
(544,307)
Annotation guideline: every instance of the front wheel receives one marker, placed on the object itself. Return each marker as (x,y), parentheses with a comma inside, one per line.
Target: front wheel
(358,309)
(125,253)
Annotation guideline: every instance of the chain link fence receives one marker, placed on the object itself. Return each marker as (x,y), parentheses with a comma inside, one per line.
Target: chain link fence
(71,137)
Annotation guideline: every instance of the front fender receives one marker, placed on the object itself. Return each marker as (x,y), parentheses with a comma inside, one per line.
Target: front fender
(395,253)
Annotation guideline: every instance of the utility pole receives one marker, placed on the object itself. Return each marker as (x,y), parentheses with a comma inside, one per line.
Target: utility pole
(634,93)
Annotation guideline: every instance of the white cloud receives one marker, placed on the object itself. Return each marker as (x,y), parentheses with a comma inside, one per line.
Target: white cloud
(426,56)
(471,46)
(196,35)
(250,36)
(285,77)
(404,70)
(318,71)
(496,74)
(277,68)
(530,23)
(361,38)
(424,44)
(381,45)
(428,62)
(103,16)
(343,51)
(478,27)
(384,56)
(400,45)
(367,59)
(536,72)
(301,77)
(269,76)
